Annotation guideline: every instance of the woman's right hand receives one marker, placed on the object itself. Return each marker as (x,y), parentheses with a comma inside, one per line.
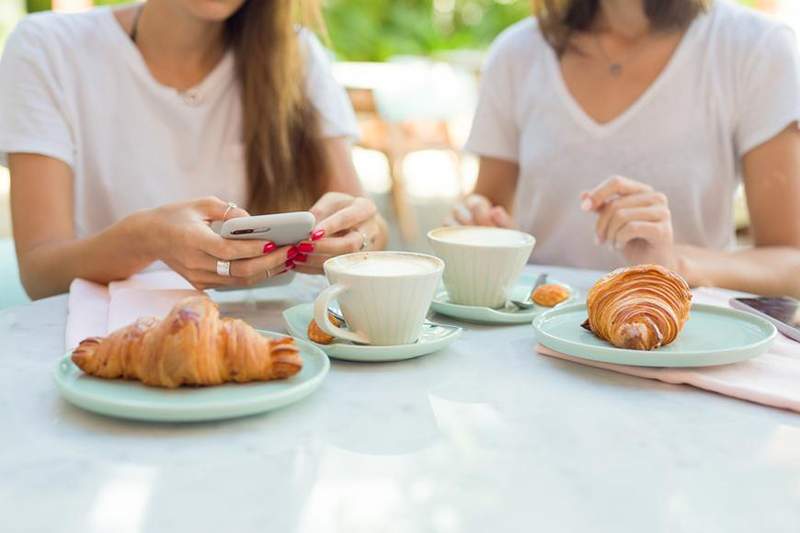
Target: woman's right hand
(180,235)
(477,210)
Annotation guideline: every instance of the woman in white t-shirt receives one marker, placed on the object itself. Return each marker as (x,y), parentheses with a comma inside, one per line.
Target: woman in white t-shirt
(617,132)
(127,131)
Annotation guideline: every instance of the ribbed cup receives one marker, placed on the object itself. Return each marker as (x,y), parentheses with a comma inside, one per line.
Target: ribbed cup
(482,273)
(387,310)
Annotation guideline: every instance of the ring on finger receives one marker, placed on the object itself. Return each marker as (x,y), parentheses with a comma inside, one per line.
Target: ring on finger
(365,241)
(224,268)
(230,206)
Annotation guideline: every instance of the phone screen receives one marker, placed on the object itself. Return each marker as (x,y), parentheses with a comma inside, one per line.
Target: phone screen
(786,310)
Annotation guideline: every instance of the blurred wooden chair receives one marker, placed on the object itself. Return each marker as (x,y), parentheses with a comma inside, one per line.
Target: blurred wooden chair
(394,121)
(395,140)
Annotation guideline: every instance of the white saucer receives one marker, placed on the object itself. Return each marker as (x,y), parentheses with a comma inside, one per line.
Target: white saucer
(510,314)
(433,339)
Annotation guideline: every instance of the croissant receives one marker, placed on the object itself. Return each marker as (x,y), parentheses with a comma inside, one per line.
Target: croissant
(191,346)
(641,307)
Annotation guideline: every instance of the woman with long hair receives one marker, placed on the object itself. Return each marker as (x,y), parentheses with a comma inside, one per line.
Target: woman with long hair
(128,131)
(617,132)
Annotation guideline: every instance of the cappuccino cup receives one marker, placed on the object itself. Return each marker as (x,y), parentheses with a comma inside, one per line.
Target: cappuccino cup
(384,296)
(482,264)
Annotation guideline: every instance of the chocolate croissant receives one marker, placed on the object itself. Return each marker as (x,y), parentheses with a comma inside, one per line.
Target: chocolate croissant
(191,346)
(641,307)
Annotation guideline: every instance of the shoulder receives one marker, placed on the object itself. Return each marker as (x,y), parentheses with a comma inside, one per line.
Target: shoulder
(516,54)
(311,46)
(744,32)
(521,40)
(56,30)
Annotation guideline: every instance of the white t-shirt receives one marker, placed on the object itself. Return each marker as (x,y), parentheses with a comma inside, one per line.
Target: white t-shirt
(74,87)
(732,84)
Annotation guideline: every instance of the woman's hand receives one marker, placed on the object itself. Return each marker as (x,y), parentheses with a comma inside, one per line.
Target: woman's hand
(180,235)
(345,224)
(477,210)
(634,219)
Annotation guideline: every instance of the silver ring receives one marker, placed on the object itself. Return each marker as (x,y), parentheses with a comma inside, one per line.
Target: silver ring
(231,205)
(364,241)
(224,268)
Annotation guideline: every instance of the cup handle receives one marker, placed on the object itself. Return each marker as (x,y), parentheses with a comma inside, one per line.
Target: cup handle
(321,315)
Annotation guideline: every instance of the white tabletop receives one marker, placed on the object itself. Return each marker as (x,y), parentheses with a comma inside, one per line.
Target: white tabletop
(484,436)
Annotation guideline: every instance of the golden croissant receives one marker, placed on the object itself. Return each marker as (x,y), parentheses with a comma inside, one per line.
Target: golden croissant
(191,346)
(641,307)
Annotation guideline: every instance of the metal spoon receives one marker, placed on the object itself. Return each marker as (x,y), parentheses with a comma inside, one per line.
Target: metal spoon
(528,303)
(428,324)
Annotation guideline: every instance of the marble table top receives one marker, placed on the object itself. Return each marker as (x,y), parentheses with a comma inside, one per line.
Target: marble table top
(484,436)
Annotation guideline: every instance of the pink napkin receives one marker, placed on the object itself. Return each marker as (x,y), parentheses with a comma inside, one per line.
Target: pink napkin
(771,379)
(96,310)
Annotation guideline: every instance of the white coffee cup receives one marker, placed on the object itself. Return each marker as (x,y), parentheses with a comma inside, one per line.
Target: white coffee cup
(384,296)
(482,263)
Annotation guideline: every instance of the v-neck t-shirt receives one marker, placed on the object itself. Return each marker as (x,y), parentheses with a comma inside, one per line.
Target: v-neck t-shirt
(732,83)
(75,87)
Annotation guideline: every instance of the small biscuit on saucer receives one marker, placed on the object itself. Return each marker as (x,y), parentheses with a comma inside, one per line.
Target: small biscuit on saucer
(549,295)
(317,335)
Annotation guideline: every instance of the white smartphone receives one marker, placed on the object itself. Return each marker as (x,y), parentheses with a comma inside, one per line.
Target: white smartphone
(784,312)
(282,228)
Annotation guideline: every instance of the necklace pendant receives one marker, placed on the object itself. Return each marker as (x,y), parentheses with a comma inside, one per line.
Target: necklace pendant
(615,69)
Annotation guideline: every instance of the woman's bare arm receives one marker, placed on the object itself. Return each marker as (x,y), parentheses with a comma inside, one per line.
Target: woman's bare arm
(772,266)
(49,255)
(497,181)
(343,178)
(492,201)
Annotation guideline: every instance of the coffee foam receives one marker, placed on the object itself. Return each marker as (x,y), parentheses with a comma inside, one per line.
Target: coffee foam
(482,236)
(387,265)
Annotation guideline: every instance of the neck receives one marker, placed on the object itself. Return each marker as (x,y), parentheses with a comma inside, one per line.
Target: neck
(167,35)
(625,18)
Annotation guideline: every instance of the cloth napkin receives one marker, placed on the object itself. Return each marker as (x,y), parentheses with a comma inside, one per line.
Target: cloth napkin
(95,310)
(771,379)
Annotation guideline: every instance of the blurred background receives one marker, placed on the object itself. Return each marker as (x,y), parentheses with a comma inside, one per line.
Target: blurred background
(411,69)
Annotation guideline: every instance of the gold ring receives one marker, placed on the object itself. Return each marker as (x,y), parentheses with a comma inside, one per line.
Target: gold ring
(231,205)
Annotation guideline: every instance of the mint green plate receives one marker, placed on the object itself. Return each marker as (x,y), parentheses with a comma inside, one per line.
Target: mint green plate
(505,315)
(712,336)
(433,339)
(131,399)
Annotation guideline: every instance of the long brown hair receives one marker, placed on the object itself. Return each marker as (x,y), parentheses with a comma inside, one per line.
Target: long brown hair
(558,19)
(284,155)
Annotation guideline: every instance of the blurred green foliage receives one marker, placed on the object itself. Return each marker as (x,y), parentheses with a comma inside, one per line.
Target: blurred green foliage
(44,5)
(374,30)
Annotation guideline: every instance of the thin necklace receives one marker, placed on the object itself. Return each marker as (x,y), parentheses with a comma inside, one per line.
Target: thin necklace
(615,66)
(135,25)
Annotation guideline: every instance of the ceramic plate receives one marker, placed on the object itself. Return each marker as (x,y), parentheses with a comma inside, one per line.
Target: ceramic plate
(505,315)
(712,336)
(432,340)
(131,399)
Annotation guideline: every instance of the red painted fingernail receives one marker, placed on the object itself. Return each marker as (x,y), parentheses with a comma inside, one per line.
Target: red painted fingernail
(289,264)
(317,235)
(300,258)
(269,247)
(292,252)
(305,247)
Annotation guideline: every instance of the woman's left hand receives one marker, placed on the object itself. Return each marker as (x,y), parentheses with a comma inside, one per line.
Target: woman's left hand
(345,224)
(634,219)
